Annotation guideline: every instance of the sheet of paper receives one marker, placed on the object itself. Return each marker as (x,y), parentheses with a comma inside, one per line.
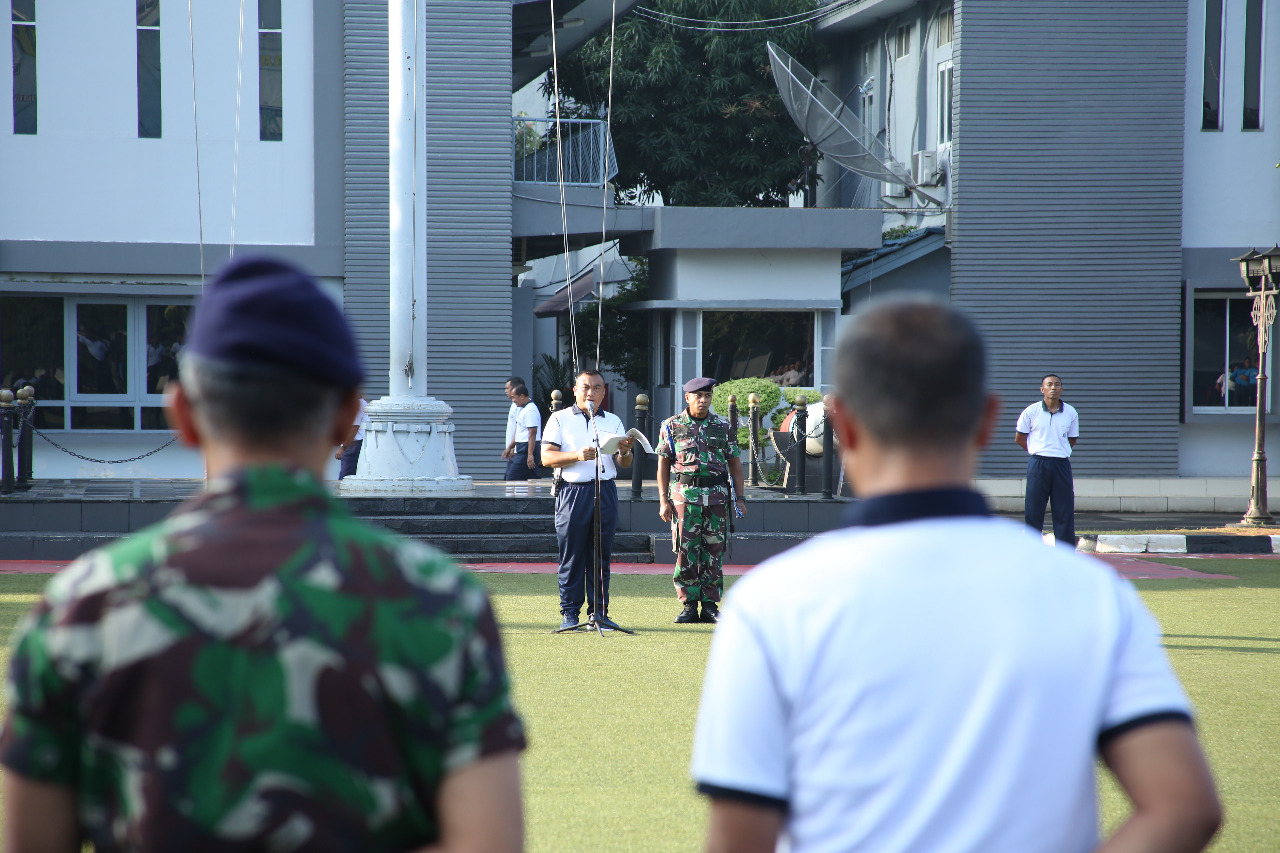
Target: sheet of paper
(609,444)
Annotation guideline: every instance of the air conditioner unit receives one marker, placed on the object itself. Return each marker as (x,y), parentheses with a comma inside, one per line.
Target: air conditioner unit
(924,168)
(896,190)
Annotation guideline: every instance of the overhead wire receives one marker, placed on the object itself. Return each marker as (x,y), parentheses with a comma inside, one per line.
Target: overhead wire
(604,183)
(235,157)
(708,25)
(195,121)
(564,209)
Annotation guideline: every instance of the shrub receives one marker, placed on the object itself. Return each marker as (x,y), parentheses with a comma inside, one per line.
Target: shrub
(811,395)
(770,396)
(744,438)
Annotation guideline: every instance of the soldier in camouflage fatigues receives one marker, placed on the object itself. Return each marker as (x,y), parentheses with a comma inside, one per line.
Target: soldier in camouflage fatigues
(698,466)
(261,671)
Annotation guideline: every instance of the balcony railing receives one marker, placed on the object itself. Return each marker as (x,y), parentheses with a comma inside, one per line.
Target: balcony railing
(587,152)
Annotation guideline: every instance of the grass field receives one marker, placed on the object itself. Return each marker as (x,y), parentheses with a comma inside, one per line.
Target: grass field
(611,719)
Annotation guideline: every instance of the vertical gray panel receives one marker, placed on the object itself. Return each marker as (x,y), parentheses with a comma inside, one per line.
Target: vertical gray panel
(366,266)
(468,160)
(1067,173)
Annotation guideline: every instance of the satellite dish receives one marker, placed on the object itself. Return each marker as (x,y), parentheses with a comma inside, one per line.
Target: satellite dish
(833,128)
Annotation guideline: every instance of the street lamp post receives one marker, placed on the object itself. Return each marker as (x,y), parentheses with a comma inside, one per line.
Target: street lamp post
(1260,271)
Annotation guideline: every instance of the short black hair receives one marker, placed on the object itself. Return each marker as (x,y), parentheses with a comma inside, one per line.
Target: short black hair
(1047,375)
(913,370)
(265,405)
(588,372)
(515,380)
(520,391)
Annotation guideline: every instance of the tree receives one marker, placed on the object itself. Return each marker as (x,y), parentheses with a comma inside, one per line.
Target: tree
(696,115)
(626,348)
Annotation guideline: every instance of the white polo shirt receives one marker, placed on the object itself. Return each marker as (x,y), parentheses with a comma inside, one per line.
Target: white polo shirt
(935,681)
(511,424)
(527,418)
(1047,432)
(362,420)
(569,429)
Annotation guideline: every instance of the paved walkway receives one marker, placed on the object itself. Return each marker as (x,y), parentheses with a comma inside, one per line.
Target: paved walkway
(1130,567)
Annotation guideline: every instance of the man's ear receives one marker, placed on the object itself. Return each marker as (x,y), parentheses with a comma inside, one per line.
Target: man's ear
(180,414)
(344,416)
(987,424)
(844,424)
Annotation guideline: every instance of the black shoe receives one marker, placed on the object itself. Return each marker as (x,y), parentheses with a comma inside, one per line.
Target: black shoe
(603,621)
(689,615)
(570,620)
(710,612)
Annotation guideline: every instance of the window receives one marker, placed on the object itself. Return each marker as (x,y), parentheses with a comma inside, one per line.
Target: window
(870,53)
(97,363)
(1224,354)
(149,120)
(902,42)
(946,26)
(946,79)
(775,345)
(1252,118)
(270,67)
(1210,120)
(24,66)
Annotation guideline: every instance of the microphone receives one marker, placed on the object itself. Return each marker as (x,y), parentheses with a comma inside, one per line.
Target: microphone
(591,408)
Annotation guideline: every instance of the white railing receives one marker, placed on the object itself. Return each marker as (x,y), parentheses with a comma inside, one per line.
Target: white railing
(587,148)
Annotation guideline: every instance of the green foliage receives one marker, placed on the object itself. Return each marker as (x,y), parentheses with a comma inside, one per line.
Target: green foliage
(696,115)
(897,232)
(551,374)
(769,393)
(811,395)
(627,349)
(744,437)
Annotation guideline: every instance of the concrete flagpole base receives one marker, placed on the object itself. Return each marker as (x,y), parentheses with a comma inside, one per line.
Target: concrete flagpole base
(408,449)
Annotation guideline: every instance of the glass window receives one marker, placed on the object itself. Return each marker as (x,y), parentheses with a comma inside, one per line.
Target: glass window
(102,417)
(1224,360)
(1212,86)
(102,349)
(946,79)
(902,42)
(775,345)
(153,418)
(1252,65)
(166,331)
(270,72)
(149,107)
(946,26)
(24,66)
(31,350)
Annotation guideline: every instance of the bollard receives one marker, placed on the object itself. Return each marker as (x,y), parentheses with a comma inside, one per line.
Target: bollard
(802,426)
(753,440)
(557,403)
(6,442)
(25,413)
(828,447)
(637,452)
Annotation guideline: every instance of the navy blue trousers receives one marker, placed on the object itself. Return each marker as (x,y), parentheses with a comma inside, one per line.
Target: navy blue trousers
(1049,481)
(518,465)
(350,459)
(576,536)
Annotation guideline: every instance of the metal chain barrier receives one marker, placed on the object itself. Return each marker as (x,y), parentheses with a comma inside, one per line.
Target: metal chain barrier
(32,427)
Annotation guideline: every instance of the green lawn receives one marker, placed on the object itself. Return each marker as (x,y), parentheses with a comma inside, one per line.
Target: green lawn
(611,719)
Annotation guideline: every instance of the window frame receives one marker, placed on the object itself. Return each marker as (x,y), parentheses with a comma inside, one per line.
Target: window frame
(947,15)
(945,115)
(902,42)
(1205,64)
(1225,410)
(30,26)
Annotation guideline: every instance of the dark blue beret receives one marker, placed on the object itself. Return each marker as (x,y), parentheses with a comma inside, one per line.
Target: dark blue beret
(262,311)
(702,383)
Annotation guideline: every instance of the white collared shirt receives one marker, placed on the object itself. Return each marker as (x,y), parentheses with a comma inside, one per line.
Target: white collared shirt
(511,424)
(569,429)
(1047,432)
(526,419)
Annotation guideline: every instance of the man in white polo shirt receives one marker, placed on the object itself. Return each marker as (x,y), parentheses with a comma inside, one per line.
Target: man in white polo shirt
(569,443)
(1048,430)
(929,678)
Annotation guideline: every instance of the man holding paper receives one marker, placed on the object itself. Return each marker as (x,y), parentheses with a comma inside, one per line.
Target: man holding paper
(569,442)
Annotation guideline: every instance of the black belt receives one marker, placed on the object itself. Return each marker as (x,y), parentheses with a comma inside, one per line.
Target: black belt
(701,480)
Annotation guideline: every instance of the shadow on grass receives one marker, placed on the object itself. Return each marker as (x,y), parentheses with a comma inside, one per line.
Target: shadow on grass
(1249,573)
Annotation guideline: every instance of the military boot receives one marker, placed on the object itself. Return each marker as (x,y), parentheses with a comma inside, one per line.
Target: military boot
(710,612)
(689,615)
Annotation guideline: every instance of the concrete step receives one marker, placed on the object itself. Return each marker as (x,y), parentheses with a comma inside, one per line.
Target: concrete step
(508,524)
(448,506)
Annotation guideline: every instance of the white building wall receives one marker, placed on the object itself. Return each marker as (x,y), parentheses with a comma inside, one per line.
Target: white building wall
(744,274)
(1231,182)
(87,177)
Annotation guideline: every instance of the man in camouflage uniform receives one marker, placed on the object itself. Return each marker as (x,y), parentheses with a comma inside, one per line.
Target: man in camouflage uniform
(697,448)
(262,671)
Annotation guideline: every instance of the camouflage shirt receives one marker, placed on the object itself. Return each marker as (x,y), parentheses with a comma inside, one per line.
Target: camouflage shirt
(701,448)
(260,671)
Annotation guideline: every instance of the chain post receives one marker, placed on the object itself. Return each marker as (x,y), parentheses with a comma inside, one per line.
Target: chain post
(557,401)
(753,440)
(802,427)
(828,447)
(26,411)
(6,442)
(637,453)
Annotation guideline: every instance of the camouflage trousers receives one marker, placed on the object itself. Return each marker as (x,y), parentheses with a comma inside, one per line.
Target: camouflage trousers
(700,537)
